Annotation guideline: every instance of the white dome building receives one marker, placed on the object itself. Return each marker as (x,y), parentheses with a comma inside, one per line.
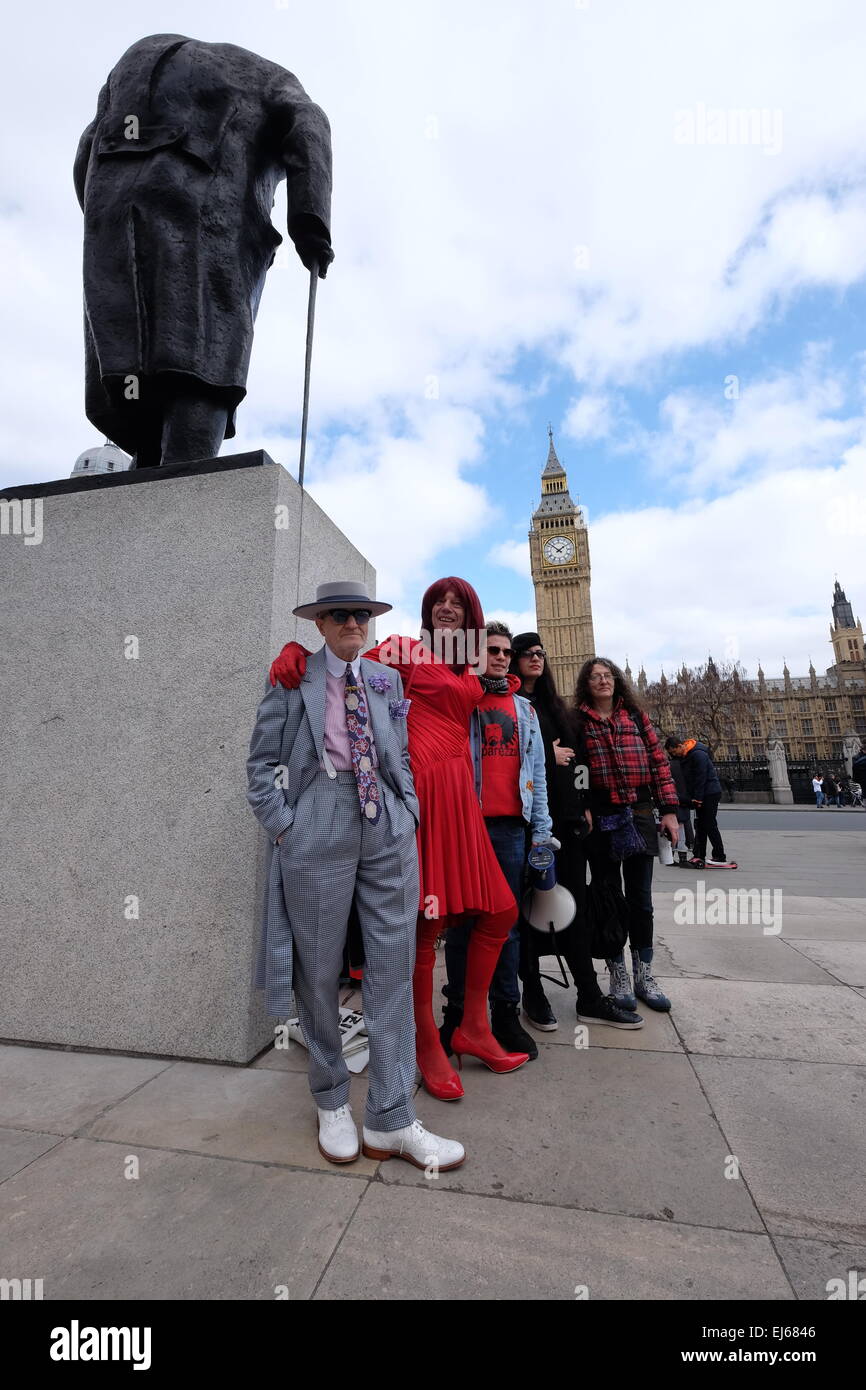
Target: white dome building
(104,458)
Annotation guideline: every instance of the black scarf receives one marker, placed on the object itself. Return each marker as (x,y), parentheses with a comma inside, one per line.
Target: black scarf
(494,685)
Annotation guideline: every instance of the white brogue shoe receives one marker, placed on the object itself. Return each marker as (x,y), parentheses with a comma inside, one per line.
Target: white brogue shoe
(417,1145)
(338,1137)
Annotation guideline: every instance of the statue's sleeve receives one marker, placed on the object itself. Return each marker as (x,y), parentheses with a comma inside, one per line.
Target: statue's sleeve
(85,144)
(306,153)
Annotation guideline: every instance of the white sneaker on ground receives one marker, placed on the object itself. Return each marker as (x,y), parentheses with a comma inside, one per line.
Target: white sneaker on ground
(338,1136)
(417,1145)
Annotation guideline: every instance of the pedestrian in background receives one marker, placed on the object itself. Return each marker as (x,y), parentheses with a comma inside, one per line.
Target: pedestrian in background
(705,792)
(684,812)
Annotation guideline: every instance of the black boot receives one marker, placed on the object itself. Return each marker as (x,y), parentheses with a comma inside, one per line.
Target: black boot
(536,1006)
(506,1029)
(451,1019)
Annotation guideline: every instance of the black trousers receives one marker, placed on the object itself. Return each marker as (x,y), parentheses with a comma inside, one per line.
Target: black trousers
(706,825)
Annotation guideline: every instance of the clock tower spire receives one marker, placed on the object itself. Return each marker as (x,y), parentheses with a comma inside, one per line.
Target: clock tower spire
(559,559)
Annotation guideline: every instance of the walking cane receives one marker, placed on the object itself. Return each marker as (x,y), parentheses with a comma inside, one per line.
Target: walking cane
(311,315)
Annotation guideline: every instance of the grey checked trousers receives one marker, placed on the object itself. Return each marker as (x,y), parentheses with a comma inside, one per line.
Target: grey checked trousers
(328,856)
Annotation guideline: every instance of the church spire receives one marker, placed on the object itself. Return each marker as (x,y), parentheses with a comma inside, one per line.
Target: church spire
(553,468)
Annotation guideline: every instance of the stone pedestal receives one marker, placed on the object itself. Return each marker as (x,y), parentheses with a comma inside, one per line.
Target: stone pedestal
(136,637)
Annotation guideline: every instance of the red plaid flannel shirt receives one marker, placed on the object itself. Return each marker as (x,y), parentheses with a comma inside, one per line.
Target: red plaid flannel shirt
(620,761)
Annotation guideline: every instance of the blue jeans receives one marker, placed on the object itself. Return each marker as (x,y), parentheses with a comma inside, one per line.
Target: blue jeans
(508,837)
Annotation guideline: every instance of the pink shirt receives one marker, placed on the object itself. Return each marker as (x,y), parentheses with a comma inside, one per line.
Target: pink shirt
(336,735)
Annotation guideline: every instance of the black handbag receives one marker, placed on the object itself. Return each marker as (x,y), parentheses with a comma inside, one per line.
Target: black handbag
(607,917)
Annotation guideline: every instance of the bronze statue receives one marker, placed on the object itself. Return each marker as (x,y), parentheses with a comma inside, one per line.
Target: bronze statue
(176,177)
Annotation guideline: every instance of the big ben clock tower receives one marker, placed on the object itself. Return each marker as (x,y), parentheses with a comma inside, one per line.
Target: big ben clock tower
(559,557)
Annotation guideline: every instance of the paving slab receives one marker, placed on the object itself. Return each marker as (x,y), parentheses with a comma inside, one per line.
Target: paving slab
(291,1058)
(18,1147)
(796,904)
(799,1132)
(254,1113)
(748,1018)
(694,956)
(846,960)
(404,1243)
(601,1129)
(49,1089)
(797,917)
(815,1268)
(186,1228)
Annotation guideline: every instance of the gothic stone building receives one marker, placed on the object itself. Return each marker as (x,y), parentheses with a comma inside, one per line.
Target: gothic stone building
(810,714)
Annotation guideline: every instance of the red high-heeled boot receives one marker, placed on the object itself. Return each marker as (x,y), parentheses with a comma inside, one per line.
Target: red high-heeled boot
(472,1037)
(437,1074)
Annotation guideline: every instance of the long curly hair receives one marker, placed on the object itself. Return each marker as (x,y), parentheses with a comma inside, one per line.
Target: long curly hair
(622,687)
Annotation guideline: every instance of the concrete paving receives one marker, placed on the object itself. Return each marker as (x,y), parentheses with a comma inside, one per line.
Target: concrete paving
(717,1153)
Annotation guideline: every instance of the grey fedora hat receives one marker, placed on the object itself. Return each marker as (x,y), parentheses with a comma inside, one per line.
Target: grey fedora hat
(344,593)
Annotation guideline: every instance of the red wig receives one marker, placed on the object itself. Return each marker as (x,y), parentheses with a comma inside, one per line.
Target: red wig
(473,613)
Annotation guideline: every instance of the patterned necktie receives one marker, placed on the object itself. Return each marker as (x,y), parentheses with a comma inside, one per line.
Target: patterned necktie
(361,749)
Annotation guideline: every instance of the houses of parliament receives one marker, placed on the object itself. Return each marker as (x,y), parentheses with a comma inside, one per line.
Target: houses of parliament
(810,714)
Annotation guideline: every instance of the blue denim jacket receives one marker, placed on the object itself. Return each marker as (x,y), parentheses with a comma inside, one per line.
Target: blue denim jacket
(533,778)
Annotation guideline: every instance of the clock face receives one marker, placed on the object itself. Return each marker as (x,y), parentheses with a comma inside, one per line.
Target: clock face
(559,550)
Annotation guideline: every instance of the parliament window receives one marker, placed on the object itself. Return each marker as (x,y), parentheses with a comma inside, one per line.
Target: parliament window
(807,726)
(829,704)
(832,726)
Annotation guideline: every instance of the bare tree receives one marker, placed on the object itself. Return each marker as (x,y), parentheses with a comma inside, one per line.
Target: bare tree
(706,702)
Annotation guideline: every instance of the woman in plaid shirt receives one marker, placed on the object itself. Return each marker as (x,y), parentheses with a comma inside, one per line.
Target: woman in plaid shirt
(628,773)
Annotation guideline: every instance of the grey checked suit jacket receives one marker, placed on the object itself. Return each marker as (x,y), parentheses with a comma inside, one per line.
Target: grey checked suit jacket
(289,734)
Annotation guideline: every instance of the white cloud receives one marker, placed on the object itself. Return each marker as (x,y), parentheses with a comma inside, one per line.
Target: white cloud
(751,572)
(784,420)
(474,152)
(516,620)
(588,417)
(401,500)
(513,555)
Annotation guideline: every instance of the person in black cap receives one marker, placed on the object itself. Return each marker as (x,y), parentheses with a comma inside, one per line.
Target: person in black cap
(567,806)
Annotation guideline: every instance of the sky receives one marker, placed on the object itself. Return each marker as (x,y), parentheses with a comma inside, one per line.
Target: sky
(644,225)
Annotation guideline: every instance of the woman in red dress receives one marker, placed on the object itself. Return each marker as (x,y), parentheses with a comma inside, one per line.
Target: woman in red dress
(460,875)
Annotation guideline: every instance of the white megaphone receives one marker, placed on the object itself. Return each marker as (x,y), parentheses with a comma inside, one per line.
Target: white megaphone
(546,906)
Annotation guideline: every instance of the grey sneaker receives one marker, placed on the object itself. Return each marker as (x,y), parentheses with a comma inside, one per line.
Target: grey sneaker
(620,990)
(645,986)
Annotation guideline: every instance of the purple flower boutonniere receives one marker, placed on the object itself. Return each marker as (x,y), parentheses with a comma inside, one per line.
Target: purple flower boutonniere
(380,684)
(398,709)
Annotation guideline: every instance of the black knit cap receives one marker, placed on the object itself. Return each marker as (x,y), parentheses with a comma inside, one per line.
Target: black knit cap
(523,641)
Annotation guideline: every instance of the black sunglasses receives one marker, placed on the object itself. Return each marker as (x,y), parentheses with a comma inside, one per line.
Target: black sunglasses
(535,651)
(342,615)
(499,651)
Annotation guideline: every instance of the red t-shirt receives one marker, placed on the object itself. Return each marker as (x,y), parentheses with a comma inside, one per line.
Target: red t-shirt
(500,756)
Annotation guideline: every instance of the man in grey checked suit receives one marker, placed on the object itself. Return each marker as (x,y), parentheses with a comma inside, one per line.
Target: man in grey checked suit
(330,781)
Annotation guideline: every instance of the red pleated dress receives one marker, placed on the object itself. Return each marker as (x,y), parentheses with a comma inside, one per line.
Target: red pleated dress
(459,870)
